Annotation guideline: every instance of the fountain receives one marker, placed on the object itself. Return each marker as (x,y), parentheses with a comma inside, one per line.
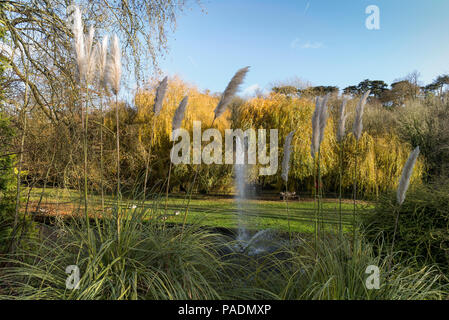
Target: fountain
(262,241)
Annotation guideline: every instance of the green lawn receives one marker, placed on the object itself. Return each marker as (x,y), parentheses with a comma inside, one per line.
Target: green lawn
(223,212)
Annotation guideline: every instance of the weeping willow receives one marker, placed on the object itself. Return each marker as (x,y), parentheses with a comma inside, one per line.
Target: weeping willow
(381,157)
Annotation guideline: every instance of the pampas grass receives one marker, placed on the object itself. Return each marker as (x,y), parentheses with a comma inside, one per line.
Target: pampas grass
(86,58)
(114,74)
(323,118)
(341,131)
(357,132)
(102,60)
(407,171)
(285,170)
(286,158)
(230,91)
(114,66)
(85,53)
(404,183)
(179,114)
(161,90)
(319,121)
(176,124)
(358,121)
(160,95)
(226,98)
(316,127)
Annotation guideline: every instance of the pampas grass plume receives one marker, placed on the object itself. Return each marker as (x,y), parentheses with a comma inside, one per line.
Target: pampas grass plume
(342,121)
(286,158)
(230,91)
(114,66)
(316,127)
(160,94)
(407,171)
(358,121)
(102,56)
(78,35)
(323,117)
(179,114)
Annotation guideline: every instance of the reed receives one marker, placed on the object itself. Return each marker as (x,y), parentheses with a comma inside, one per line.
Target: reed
(102,54)
(357,132)
(176,124)
(86,58)
(341,133)
(114,74)
(226,98)
(230,91)
(403,185)
(157,107)
(285,171)
(319,121)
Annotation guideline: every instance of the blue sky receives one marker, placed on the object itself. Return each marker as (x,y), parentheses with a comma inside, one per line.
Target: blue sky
(322,41)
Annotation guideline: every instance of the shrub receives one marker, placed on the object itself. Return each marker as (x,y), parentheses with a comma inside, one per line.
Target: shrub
(7,181)
(333,270)
(423,230)
(147,260)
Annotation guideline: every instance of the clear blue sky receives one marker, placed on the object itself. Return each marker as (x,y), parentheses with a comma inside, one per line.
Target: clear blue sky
(322,41)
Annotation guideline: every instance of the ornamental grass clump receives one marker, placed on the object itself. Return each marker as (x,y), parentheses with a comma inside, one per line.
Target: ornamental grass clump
(319,121)
(161,90)
(86,61)
(404,183)
(357,132)
(285,171)
(114,75)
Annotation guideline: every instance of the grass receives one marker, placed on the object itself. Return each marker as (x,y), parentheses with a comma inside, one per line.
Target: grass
(216,211)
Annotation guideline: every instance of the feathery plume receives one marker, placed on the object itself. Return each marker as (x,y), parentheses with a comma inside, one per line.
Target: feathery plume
(316,127)
(406,175)
(114,66)
(78,35)
(286,158)
(358,122)
(102,56)
(160,94)
(230,91)
(342,121)
(179,114)
(90,56)
(85,54)
(323,117)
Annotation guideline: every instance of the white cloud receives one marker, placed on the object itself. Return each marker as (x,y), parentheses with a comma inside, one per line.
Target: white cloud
(251,90)
(312,45)
(295,43)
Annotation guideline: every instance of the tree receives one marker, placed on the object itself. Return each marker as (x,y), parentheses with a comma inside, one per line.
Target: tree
(7,159)
(319,91)
(351,90)
(377,87)
(40,36)
(286,90)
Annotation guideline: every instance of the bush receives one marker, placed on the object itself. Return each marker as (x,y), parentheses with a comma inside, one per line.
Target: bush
(335,269)
(148,260)
(7,181)
(423,223)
